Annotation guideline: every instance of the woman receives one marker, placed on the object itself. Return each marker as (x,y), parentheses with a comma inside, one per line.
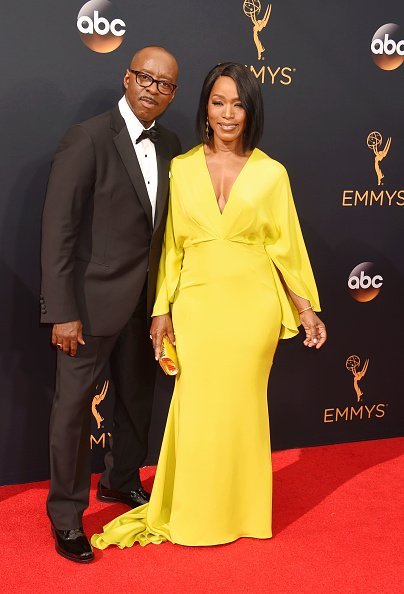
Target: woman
(236,276)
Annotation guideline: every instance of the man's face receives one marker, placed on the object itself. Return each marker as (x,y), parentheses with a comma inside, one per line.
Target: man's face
(148,103)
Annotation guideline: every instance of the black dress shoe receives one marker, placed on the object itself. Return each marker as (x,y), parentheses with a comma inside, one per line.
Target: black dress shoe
(133,498)
(73,545)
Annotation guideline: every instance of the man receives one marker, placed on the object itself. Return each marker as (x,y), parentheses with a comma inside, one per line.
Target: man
(103,225)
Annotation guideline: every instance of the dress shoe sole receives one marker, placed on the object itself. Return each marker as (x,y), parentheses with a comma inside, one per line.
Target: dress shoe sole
(106,499)
(62,553)
(75,559)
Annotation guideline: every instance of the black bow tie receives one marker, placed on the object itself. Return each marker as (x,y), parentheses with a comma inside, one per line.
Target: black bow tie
(152,134)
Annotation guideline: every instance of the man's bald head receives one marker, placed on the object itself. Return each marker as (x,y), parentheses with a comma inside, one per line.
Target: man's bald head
(156,52)
(148,102)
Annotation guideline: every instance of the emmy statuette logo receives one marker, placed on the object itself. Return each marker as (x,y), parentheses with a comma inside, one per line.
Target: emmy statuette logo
(374,142)
(97,399)
(352,364)
(360,411)
(268,74)
(101,30)
(252,9)
(380,196)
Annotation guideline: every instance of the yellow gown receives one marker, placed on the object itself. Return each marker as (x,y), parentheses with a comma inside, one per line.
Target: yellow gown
(219,276)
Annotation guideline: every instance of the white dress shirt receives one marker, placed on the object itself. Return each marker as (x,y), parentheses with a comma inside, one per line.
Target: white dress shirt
(145,151)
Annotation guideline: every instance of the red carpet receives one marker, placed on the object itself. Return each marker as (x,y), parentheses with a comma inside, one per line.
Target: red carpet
(338,520)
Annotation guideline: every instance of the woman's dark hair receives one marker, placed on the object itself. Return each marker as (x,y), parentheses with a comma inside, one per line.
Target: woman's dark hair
(250,96)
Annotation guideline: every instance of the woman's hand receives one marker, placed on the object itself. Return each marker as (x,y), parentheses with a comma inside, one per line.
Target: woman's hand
(161,326)
(316,334)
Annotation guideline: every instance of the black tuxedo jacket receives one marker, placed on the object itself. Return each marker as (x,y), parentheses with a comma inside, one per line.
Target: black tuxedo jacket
(98,239)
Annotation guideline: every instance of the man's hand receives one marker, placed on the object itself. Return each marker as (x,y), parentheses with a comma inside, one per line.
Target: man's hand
(66,336)
(161,326)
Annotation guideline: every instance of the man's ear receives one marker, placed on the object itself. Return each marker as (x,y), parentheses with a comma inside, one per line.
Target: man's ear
(173,95)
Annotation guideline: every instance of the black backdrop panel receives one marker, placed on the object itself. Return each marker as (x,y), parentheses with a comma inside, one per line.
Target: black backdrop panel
(333,117)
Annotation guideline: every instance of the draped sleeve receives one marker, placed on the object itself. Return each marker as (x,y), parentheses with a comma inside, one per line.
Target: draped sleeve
(288,255)
(171,258)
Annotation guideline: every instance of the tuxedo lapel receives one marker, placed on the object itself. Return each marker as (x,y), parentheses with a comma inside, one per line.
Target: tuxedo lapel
(127,153)
(163,165)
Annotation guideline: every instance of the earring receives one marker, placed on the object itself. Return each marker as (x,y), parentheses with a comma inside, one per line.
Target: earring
(207,129)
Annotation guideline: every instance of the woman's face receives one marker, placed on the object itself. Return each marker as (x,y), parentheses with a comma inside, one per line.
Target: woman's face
(226,115)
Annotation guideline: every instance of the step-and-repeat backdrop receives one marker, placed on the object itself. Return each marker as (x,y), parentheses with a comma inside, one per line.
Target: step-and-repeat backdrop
(332,77)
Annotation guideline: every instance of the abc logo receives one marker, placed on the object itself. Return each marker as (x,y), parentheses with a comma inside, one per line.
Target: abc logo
(363,284)
(388,47)
(100,29)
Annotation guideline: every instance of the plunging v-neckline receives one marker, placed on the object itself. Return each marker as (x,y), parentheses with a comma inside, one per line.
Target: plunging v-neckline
(233,184)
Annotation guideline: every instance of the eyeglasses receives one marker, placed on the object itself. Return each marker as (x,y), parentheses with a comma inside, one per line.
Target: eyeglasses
(145,80)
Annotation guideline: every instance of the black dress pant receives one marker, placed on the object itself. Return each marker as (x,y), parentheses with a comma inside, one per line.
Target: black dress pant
(133,373)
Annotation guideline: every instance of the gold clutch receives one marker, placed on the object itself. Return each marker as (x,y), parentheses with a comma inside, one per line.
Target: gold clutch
(168,358)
